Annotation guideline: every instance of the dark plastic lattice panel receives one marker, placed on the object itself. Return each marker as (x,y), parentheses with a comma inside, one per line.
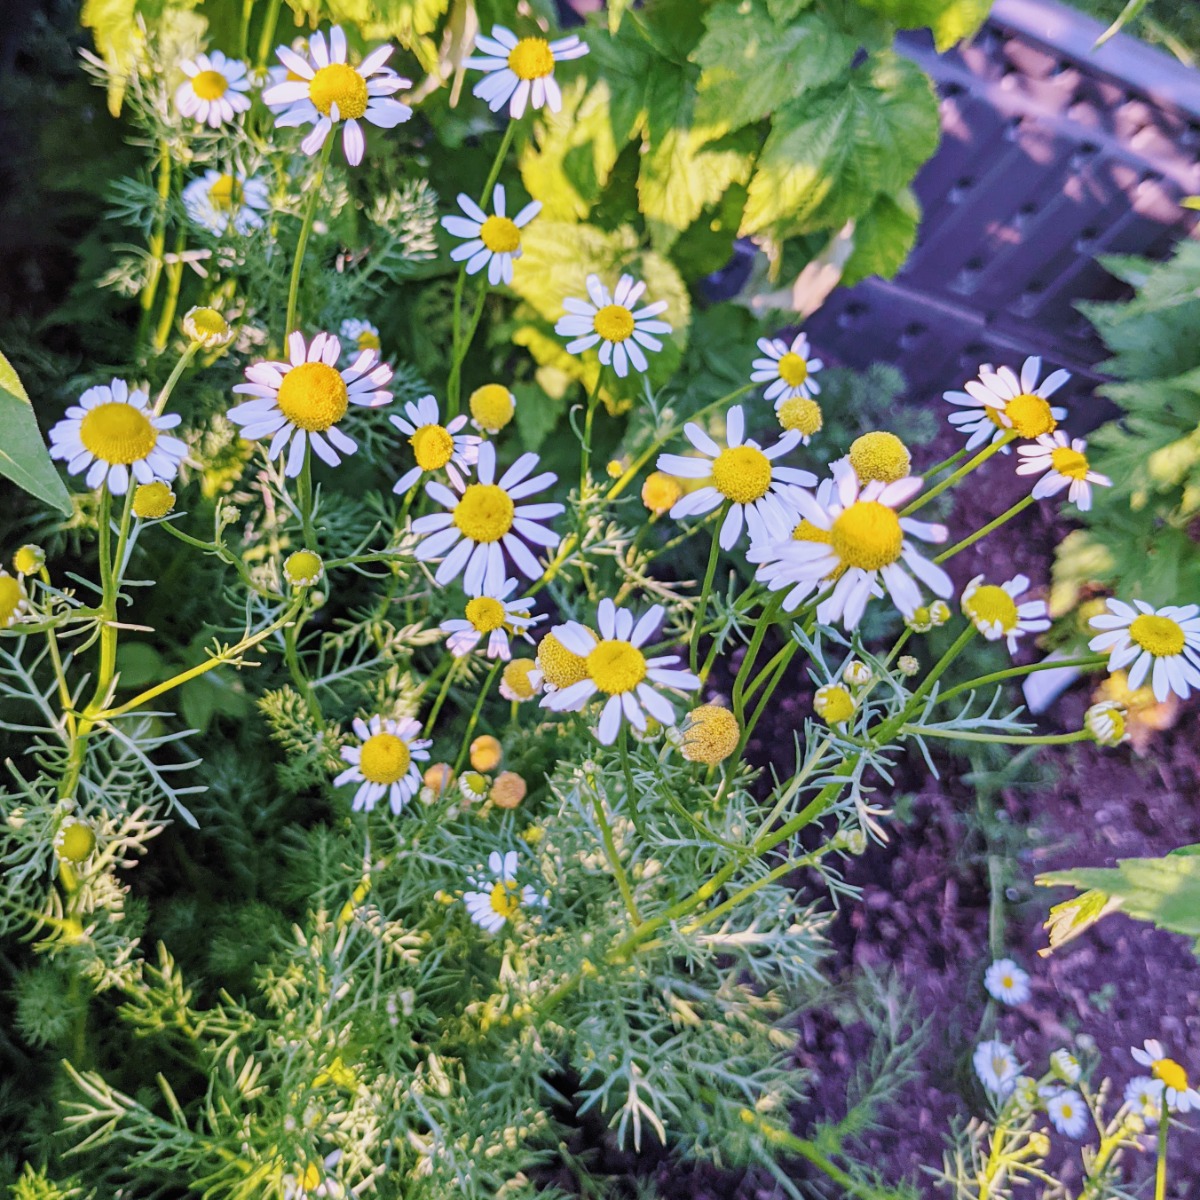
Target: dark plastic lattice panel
(1051,154)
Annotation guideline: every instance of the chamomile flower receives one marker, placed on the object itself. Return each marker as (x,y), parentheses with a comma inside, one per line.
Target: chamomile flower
(500,898)
(521,69)
(1067,1111)
(492,242)
(358,335)
(313,1180)
(14,603)
(867,545)
(1007,982)
(329,90)
(787,370)
(492,407)
(1062,463)
(1144,1095)
(301,401)
(1165,639)
(744,474)
(558,667)
(997,1067)
(617,667)
(214,90)
(518,682)
(434,445)
(999,401)
(483,519)
(495,617)
(219,199)
(711,735)
(384,762)
(1065,1065)
(1107,722)
(113,434)
(611,320)
(1181,1096)
(994,611)
(880,455)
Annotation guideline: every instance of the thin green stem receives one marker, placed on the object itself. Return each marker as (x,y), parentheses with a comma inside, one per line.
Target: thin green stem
(158,237)
(614,859)
(304,500)
(1004,739)
(172,379)
(268,33)
(1160,1165)
(1008,514)
(938,468)
(1084,661)
(291,655)
(174,282)
(474,720)
(705,590)
(310,211)
(962,472)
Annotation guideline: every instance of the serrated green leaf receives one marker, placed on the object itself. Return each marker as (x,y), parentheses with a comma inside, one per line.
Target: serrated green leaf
(752,66)
(949,20)
(1072,917)
(883,237)
(23,455)
(829,156)
(1163,891)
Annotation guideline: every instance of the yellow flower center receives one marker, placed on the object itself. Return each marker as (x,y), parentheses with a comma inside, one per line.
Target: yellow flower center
(500,235)
(303,568)
(1171,1073)
(341,85)
(1069,462)
(486,753)
(11,595)
(152,500)
(992,605)
(799,413)
(1027,414)
(1160,635)
(530,58)
(742,474)
(313,397)
(660,492)
(867,535)
(432,446)
(310,1179)
(806,531)
(76,841)
(209,85)
(1006,981)
(368,340)
(793,370)
(30,559)
(485,613)
(881,456)
(207,323)
(560,666)
(118,433)
(614,322)
(616,666)
(385,758)
(712,736)
(1066,1109)
(506,898)
(834,704)
(492,406)
(516,677)
(225,194)
(485,513)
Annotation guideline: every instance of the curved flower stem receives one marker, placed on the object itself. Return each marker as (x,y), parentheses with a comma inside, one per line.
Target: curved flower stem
(172,379)
(174,282)
(946,463)
(706,589)
(470,729)
(304,500)
(442,692)
(586,446)
(158,237)
(291,655)
(306,225)
(964,470)
(1006,739)
(760,632)
(268,32)
(1087,660)
(614,859)
(1008,514)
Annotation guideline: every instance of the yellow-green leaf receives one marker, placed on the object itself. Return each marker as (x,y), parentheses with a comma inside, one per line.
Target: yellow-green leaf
(23,455)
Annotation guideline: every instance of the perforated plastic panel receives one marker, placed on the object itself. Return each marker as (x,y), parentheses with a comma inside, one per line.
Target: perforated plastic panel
(1052,153)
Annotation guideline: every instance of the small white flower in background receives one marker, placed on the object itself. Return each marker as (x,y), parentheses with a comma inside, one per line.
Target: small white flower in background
(473,786)
(617,667)
(302,400)
(384,763)
(1062,463)
(857,674)
(997,1067)
(492,242)
(999,401)
(329,91)
(214,90)
(788,370)
(611,320)
(1006,982)
(1067,1111)
(861,542)
(207,327)
(359,335)
(1107,723)
(434,445)
(521,68)
(218,200)
(499,899)
(1065,1065)
(1163,643)
(494,617)
(483,519)
(1181,1096)
(1144,1095)
(742,473)
(113,434)
(994,611)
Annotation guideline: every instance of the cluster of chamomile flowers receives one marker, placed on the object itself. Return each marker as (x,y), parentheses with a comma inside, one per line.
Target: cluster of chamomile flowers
(1146,1099)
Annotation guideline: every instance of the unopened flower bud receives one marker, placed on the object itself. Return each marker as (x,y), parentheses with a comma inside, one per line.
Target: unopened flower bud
(1107,723)
(152,501)
(303,568)
(29,560)
(833,704)
(857,674)
(486,753)
(907,665)
(508,790)
(711,735)
(207,327)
